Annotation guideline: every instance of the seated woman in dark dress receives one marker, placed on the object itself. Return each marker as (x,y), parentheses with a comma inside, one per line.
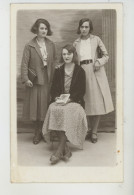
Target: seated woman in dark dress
(67,118)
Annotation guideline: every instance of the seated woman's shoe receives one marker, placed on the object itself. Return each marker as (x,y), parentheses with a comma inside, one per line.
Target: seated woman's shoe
(37,138)
(93,139)
(67,153)
(55,158)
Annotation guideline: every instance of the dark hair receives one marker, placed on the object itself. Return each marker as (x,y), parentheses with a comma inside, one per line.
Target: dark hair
(85,20)
(36,25)
(71,49)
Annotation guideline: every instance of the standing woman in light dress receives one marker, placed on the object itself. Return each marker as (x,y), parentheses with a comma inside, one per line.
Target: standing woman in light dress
(97,98)
(68,119)
(38,59)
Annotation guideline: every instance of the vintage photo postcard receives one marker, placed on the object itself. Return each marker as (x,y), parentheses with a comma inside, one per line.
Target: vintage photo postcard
(66,92)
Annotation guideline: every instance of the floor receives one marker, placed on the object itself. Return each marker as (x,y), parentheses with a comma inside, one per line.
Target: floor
(103,153)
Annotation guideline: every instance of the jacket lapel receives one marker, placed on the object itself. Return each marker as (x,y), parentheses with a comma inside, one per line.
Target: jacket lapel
(92,46)
(62,75)
(75,73)
(77,46)
(34,44)
(49,67)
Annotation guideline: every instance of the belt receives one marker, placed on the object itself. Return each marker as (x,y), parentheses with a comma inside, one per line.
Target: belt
(86,62)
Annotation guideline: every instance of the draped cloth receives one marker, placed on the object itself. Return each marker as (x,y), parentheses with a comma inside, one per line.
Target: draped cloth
(70,118)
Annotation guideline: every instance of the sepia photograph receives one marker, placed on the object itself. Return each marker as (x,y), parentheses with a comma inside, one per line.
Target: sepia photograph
(66,93)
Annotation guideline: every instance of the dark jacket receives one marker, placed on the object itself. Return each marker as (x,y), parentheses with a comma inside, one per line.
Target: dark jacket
(32,59)
(77,87)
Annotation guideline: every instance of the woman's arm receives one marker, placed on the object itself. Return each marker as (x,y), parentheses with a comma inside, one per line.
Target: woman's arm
(104,58)
(24,64)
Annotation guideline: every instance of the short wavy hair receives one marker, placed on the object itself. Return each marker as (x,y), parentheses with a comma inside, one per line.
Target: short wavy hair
(35,27)
(82,21)
(71,49)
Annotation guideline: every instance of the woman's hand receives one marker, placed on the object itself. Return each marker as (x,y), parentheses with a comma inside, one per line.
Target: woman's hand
(96,66)
(57,98)
(62,104)
(68,101)
(29,83)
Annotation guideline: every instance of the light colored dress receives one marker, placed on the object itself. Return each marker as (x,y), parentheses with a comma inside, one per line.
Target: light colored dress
(70,118)
(98,100)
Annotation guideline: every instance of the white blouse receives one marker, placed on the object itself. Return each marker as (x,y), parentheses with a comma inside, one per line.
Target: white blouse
(43,52)
(85,49)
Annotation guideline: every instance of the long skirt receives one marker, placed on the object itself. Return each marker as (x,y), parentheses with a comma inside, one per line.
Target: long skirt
(97,102)
(70,118)
(36,101)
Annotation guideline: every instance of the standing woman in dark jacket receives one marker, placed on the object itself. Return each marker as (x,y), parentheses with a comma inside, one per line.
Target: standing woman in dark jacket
(68,119)
(38,59)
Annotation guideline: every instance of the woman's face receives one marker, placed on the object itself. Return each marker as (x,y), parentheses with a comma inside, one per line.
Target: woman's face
(85,28)
(67,57)
(42,31)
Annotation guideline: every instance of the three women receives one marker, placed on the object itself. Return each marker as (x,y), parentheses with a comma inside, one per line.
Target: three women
(85,78)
